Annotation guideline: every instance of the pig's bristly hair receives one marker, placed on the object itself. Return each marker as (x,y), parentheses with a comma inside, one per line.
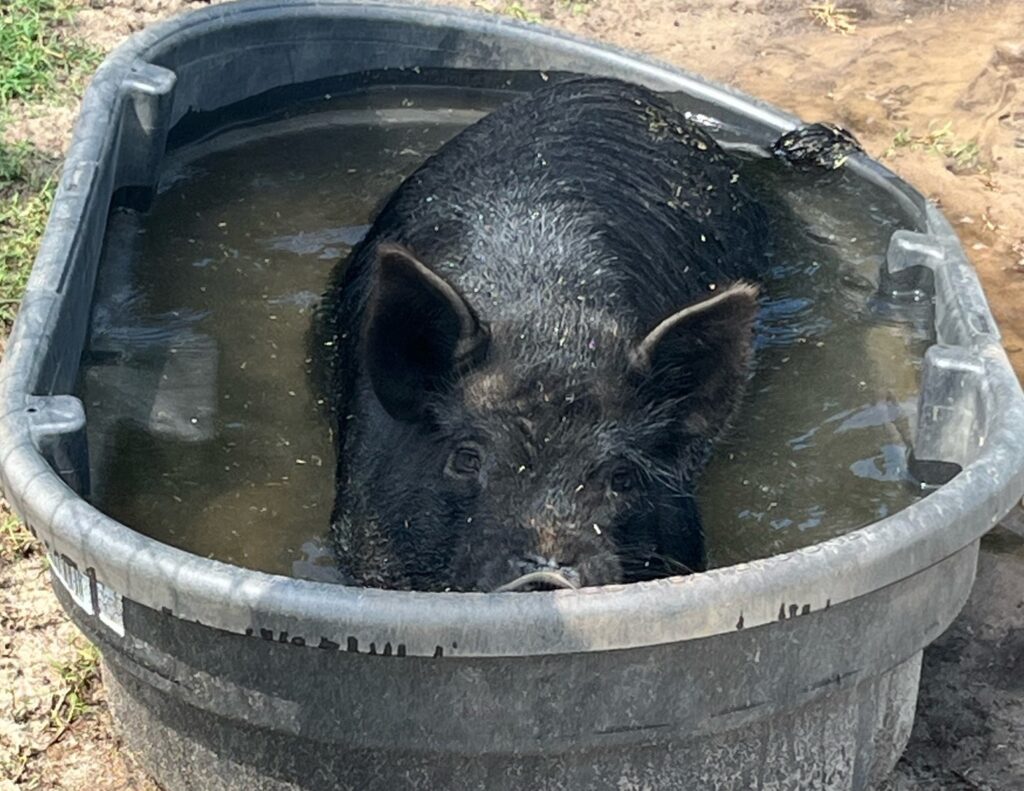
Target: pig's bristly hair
(595,233)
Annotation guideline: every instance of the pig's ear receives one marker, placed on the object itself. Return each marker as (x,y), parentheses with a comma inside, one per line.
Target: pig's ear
(701,355)
(420,333)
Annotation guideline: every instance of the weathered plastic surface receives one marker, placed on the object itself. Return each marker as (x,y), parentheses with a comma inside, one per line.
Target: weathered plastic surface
(798,671)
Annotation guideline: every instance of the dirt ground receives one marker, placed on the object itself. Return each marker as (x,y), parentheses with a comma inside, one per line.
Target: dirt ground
(935,88)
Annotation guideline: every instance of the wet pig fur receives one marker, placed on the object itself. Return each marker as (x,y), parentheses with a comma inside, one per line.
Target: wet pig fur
(536,345)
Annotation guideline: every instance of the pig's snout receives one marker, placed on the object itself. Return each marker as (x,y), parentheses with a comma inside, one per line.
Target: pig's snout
(537,573)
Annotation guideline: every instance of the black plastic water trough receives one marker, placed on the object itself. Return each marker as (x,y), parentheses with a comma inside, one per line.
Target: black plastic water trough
(798,671)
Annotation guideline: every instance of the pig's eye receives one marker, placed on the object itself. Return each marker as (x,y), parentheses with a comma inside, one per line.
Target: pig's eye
(624,479)
(465,462)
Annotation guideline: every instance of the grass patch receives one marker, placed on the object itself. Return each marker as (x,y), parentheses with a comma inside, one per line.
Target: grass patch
(577,7)
(15,163)
(838,20)
(78,676)
(40,57)
(27,183)
(15,539)
(515,9)
(941,140)
(518,11)
(38,48)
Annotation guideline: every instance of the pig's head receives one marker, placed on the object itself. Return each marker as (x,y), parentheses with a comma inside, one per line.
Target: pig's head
(536,452)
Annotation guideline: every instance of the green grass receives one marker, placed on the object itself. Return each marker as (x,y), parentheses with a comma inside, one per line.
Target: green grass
(41,59)
(78,675)
(513,9)
(15,539)
(941,140)
(27,182)
(15,161)
(578,7)
(38,51)
(77,679)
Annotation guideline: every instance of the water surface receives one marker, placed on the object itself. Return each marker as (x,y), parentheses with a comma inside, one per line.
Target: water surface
(205,432)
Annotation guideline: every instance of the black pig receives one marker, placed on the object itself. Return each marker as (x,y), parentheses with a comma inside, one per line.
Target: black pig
(536,345)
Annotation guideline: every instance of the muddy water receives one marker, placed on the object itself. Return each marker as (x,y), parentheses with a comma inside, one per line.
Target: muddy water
(821,444)
(206,434)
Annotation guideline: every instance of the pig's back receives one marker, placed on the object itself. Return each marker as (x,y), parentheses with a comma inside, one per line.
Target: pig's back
(589,190)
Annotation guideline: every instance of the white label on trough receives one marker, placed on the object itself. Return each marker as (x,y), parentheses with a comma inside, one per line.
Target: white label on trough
(73,580)
(90,594)
(110,608)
